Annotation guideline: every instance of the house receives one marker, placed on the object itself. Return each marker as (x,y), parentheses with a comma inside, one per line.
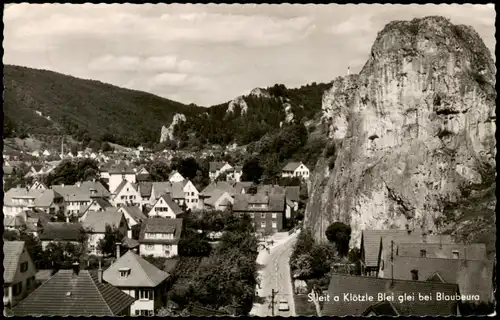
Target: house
(35,220)
(165,207)
(216,168)
(18,199)
(60,232)
(97,204)
(95,223)
(234,174)
(376,244)
(141,280)
(38,185)
(242,187)
(127,194)
(219,185)
(142,175)
(267,211)
(191,195)
(175,176)
(218,200)
(474,277)
(75,293)
(293,194)
(158,189)
(104,171)
(295,169)
(472,251)
(160,237)
(80,195)
(133,215)
(18,272)
(347,286)
(118,173)
(182,192)
(145,189)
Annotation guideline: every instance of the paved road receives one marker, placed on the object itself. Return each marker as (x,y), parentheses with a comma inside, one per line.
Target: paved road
(276,275)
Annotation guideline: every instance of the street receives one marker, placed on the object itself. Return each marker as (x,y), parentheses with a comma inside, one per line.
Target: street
(275,274)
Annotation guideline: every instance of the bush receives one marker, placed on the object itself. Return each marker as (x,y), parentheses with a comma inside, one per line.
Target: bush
(340,234)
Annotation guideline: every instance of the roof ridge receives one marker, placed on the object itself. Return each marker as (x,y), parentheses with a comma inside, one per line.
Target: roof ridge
(100,294)
(144,271)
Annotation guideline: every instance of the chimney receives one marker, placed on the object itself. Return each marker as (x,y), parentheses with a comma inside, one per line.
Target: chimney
(118,244)
(78,184)
(62,185)
(414,275)
(99,272)
(67,219)
(424,237)
(76,268)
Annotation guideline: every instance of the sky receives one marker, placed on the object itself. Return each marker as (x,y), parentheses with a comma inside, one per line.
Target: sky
(209,54)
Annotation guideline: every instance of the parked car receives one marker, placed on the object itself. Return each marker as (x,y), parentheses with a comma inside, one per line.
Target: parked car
(283,305)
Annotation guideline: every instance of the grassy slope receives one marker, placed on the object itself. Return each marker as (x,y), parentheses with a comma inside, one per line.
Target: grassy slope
(83,108)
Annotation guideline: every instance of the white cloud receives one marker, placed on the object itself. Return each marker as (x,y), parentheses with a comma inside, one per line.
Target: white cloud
(355,23)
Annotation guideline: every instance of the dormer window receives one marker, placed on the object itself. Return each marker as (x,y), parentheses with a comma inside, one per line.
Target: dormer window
(455,254)
(124,272)
(423,253)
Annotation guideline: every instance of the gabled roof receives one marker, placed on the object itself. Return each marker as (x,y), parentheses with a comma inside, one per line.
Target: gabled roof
(145,188)
(130,243)
(275,203)
(96,221)
(177,189)
(242,185)
(121,168)
(160,188)
(215,196)
(12,251)
(341,284)
(42,197)
(135,212)
(141,177)
(292,166)
(371,240)
(171,203)
(7,170)
(63,231)
(142,273)
(472,251)
(293,193)
(123,184)
(161,225)
(13,221)
(81,193)
(103,203)
(173,173)
(474,277)
(216,165)
(88,297)
(220,185)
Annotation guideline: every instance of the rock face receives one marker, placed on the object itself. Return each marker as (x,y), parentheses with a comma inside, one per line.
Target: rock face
(260,93)
(168,133)
(412,133)
(238,101)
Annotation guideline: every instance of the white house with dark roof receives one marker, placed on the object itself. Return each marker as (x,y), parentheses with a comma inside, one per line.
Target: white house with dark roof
(165,207)
(60,232)
(218,200)
(18,199)
(216,168)
(139,279)
(160,237)
(118,173)
(175,176)
(133,215)
(295,169)
(95,225)
(80,195)
(127,194)
(18,274)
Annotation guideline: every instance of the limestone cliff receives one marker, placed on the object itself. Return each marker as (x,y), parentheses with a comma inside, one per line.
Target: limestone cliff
(412,133)
(168,132)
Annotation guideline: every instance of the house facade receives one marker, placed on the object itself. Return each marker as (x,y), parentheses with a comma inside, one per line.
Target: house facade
(141,280)
(160,237)
(175,176)
(267,211)
(80,195)
(218,200)
(127,194)
(295,169)
(19,272)
(118,173)
(216,168)
(133,215)
(95,225)
(165,207)
(17,200)
(191,195)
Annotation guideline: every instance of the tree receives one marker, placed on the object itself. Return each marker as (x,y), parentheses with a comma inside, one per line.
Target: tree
(105,146)
(194,245)
(61,255)
(340,234)
(107,245)
(188,168)
(158,262)
(159,171)
(252,171)
(71,171)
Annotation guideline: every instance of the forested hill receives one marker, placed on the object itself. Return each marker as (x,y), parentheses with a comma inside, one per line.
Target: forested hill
(248,118)
(46,103)
(40,102)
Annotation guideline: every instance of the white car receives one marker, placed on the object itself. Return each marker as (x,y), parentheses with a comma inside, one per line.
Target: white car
(283,306)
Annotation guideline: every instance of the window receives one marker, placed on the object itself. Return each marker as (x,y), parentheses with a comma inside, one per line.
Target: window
(150,247)
(145,294)
(17,288)
(455,254)
(24,267)
(414,274)
(274,224)
(192,193)
(124,272)
(6,291)
(92,248)
(274,215)
(28,283)
(263,224)
(423,253)
(262,215)
(252,215)
(166,247)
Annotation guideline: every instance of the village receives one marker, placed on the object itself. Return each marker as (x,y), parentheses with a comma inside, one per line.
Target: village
(131,232)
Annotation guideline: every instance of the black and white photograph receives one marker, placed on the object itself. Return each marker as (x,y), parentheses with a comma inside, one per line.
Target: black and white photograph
(263,160)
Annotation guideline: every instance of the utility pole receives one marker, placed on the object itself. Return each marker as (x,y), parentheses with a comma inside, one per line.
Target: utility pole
(273,293)
(392,262)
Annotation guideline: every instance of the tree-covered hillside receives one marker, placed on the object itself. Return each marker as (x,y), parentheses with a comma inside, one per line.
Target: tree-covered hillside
(85,109)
